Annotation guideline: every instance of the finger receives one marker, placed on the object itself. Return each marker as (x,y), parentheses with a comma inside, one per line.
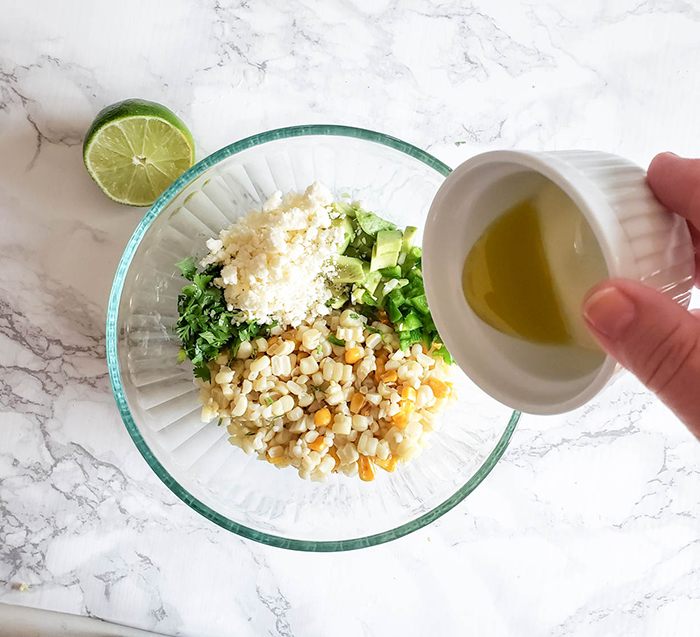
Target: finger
(676,184)
(695,237)
(653,337)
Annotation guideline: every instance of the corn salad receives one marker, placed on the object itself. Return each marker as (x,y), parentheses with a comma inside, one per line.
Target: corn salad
(303,400)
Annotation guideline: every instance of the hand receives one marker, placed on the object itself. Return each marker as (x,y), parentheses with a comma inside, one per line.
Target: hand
(649,334)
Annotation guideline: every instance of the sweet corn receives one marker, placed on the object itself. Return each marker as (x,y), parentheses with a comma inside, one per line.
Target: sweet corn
(380,362)
(356,403)
(366,469)
(334,454)
(399,420)
(322,417)
(318,444)
(389,464)
(440,389)
(353,355)
(275,460)
(408,393)
(390,377)
(407,406)
(344,408)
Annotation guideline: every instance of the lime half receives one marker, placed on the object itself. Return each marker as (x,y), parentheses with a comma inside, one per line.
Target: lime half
(135,149)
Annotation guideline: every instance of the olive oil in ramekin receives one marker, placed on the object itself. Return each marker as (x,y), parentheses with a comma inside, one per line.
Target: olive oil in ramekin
(527,274)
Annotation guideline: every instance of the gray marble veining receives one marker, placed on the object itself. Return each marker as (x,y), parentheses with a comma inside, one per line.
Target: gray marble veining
(588,526)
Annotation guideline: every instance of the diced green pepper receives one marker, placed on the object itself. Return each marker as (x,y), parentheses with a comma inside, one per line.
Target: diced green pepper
(368,299)
(420,302)
(410,322)
(392,309)
(410,337)
(391,273)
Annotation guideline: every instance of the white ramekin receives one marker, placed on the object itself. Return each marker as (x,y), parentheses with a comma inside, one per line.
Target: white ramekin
(640,240)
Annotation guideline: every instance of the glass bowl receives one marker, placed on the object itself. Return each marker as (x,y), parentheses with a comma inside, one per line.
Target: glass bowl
(158,400)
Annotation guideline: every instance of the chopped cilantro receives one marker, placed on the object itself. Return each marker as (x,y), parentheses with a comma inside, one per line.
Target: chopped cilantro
(188,268)
(205,325)
(332,338)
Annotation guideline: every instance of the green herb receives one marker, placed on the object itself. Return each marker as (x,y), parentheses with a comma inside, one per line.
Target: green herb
(250,433)
(188,268)
(319,350)
(332,338)
(354,316)
(269,401)
(316,388)
(181,356)
(205,324)
(218,424)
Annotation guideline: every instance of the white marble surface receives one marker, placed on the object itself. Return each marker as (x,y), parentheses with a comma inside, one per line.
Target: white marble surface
(589,526)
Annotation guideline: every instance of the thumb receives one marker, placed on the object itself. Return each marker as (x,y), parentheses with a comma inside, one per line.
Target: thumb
(653,337)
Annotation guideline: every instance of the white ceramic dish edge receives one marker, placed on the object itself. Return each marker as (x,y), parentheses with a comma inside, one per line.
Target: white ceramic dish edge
(639,239)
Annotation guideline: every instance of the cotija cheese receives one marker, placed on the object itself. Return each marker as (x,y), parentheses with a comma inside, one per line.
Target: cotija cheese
(277,261)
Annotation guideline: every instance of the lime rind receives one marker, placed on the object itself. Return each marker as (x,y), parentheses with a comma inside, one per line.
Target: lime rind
(135,149)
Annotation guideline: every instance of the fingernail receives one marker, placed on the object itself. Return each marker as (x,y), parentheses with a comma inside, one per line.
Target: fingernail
(609,311)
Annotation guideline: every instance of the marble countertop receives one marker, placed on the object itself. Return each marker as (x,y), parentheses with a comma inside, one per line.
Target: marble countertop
(590,523)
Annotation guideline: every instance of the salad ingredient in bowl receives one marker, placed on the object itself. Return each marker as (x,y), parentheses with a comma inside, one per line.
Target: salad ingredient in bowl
(312,339)
(159,402)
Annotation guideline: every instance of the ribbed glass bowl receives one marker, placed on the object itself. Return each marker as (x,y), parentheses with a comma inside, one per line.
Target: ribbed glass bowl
(158,400)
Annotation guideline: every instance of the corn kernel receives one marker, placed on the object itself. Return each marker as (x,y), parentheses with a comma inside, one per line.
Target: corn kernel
(440,389)
(408,393)
(334,454)
(390,376)
(353,355)
(407,406)
(380,362)
(356,403)
(318,444)
(322,417)
(400,420)
(389,464)
(366,469)
(276,460)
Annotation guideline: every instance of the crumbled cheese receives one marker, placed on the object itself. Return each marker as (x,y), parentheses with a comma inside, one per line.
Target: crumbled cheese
(277,261)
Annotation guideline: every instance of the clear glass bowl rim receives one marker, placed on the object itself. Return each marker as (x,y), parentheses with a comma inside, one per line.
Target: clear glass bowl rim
(118,389)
